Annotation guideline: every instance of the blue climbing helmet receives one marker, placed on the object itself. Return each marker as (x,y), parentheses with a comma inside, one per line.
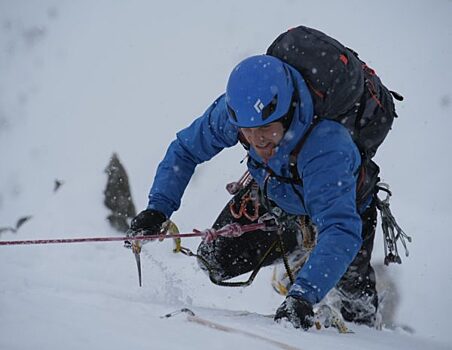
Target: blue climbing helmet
(259,91)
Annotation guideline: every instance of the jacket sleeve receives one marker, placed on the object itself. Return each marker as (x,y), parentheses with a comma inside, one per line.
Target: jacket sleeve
(199,142)
(329,164)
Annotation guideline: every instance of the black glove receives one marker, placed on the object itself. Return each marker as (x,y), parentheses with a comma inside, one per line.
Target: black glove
(297,311)
(148,222)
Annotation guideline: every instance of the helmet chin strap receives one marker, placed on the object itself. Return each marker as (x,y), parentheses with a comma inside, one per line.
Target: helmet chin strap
(288,117)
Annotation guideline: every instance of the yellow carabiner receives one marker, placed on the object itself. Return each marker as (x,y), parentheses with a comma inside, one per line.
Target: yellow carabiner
(170,228)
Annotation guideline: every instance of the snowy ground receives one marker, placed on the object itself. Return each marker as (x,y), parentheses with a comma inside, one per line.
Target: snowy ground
(81,80)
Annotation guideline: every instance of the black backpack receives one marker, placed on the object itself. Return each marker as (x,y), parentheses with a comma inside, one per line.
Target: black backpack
(343,89)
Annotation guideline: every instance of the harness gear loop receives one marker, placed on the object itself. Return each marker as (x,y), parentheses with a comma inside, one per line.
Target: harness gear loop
(251,197)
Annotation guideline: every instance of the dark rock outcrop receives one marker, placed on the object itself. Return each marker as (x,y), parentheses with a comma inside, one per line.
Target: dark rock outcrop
(117,195)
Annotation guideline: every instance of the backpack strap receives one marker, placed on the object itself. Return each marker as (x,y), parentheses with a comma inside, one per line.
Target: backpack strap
(293,157)
(243,141)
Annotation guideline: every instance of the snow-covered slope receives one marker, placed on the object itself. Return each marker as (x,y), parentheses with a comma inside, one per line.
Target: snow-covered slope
(81,80)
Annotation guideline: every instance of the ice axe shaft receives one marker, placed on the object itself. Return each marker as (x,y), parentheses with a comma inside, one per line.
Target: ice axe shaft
(136,249)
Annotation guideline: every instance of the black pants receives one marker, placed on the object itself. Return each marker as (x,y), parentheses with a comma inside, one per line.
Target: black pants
(231,257)
(357,286)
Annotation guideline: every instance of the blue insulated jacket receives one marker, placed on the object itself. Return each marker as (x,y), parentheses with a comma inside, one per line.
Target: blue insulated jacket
(328,164)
